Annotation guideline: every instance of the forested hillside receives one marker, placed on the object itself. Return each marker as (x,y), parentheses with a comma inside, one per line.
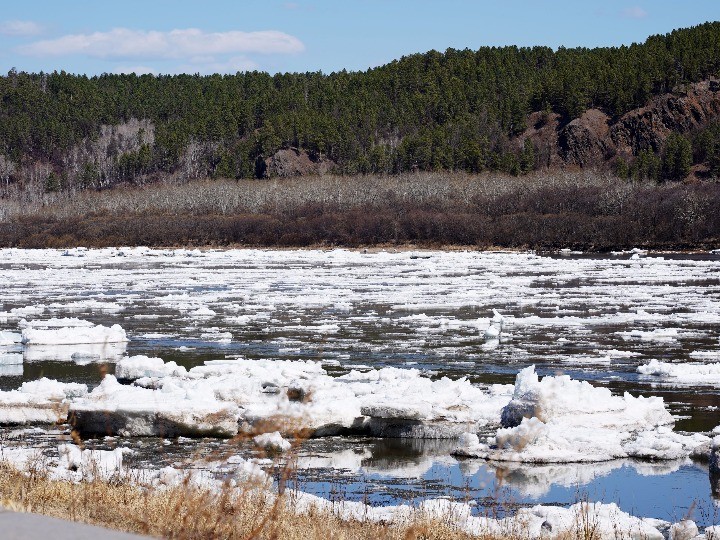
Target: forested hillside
(458,110)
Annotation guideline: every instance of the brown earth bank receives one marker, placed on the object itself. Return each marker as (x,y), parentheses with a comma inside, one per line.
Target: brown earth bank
(579,210)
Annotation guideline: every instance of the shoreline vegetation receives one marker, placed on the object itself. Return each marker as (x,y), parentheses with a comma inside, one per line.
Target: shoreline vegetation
(547,210)
(251,511)
(188,512)
(124,501)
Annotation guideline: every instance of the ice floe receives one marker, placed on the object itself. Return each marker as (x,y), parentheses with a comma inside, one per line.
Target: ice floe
(299,395)
(9,338)
(136,367)
(73,335)
(114,408)
(554,419)
(69,339)
(496,326)
(272,442)
(202,313)
(215,334)
(558,419)
(65,322)
(658,334)
(561,399)
(42,401)
(682,372)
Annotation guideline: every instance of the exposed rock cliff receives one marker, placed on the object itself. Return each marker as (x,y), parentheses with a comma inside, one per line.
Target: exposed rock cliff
(293,162)
(595,139)
(586,140)
(681,112)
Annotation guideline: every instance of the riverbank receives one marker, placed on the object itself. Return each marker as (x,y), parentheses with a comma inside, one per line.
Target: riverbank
(578,210)
(186,511)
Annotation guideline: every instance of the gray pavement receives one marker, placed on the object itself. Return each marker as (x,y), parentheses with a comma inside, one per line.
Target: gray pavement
(20,526)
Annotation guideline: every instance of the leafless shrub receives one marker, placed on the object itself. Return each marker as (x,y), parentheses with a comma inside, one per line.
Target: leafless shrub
(545,210)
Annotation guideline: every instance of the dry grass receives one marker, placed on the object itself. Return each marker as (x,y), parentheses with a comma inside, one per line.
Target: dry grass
(448,190)
(186,512)
(589,210)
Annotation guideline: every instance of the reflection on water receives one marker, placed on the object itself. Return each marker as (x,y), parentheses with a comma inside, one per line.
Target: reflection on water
(392,471)
(594,318)
(385,471)
(81,354)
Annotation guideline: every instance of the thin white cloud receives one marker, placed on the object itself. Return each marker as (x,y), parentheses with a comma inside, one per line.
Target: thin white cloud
(156,45)
(635,12)
(20,28)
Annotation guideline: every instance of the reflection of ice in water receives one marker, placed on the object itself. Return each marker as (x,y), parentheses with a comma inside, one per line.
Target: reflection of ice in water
(535,481)
(80,354)
(11,364)
(345,460)
(423,460)
(387,458)
(411,458)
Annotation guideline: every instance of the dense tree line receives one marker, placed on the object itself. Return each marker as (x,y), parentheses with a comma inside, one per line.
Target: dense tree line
(456,110)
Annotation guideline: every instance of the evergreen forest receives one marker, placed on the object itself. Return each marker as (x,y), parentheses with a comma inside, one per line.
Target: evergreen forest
(458,110)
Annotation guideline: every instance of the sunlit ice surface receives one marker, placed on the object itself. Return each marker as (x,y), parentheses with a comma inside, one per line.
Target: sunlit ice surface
(596,318)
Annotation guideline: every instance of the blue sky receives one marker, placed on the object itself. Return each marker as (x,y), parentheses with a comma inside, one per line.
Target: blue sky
(173,36)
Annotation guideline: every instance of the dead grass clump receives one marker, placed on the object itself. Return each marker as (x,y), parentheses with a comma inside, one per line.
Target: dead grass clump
(188,512)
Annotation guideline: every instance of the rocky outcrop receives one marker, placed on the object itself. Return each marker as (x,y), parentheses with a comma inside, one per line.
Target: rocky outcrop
(648,127)
(585,141)
(542,133)
(289,162)
(594,139)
